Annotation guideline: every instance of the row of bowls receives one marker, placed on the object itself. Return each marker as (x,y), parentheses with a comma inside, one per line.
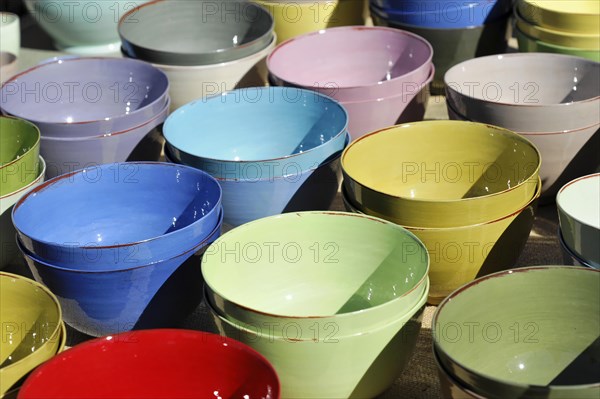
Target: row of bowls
(380,75)
(458,31)
(117,248)
(564,27)
(557,110)
(469,191)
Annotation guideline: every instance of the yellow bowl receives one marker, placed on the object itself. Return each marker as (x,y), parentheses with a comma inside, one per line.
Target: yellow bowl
(295,18)
(559,38)
(575,16)
(459,255)
(31,327)
(441,173)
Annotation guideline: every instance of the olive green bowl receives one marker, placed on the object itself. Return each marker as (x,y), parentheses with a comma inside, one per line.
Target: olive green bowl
(440,173)
(19,153)
(531,332)
(32,327)
(528,44)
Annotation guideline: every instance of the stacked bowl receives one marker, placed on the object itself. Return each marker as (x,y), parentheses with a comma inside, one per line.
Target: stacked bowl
(467,190)
(578,204)
(552,100)
(21,169)
(204,47)
(32,329)
(156,364)
(558,26)
(295,18)
(91,111)
(457,31)
(272,149)
(380,75)
(116,243)
(539,324)
(330,298)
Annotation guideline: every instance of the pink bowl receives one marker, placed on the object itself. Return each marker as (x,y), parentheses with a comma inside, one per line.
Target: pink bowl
(352,63)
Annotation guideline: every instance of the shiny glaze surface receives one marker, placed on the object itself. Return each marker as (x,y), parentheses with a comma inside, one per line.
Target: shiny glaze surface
(577,16)
(19,154)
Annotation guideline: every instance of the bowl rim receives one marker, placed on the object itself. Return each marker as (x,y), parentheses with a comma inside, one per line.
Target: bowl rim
(189,106)
(532,27)
(38,178)
(566,186)
(499,130)
(162,76)
(519,32)
(124,337)
(374,219)
(372,29)
(537,5)
(33,147)
(500,274)
(45,185)
(252,43)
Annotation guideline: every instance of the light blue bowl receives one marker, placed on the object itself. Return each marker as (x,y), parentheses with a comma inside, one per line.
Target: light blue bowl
(248,200)
(157,295)
(257,133)
(118,216)
(442,14)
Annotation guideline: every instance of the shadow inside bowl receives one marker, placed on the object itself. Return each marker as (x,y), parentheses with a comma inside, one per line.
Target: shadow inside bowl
(150,147)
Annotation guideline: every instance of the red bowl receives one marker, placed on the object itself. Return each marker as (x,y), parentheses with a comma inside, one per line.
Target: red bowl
(155,364)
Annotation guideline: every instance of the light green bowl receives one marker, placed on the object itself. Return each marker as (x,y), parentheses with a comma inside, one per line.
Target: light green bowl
(19,153)
(527,44)
(531,332)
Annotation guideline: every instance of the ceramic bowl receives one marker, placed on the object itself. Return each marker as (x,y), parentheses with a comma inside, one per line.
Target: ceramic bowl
(140,143)
(578,204)
(366,272)
(118,217)
(508,90)
(524,319)
(353,63)
(19,154)
(570,257)
(556,37)
(444,14)
(10,33)
(451,388)
(86,97)
(570,16)
(441,173)
(189,83)
(254,198)
(452,46)
(156,363)
(300,17)
(8,244)
(273,130)
(201,32)
(460,254)
(86,27)
(103,302)
(528,44)
(356,366)
(31,320)
(8,66)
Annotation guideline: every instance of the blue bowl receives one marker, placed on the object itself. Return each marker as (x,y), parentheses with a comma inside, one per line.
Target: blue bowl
(442,14)
(118,216)
(158,295)
(268,132)
(251,199)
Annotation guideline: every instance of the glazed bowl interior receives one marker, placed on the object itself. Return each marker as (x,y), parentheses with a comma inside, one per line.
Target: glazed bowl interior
(17,137)
(580,200)
(116,204)
(557,327)
(256,124)
(362,263)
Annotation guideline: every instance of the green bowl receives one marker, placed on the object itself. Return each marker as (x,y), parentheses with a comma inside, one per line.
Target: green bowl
(531,332)
(527,44)
(19,154)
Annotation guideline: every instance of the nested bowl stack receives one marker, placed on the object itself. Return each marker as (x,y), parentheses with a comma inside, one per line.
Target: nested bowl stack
(204,47)
(380,75)
(116,243)
(458,31)
(328,297)
(91,111)
(272,150)
(552,100)
(469,191)
(539,324)
(162,363)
